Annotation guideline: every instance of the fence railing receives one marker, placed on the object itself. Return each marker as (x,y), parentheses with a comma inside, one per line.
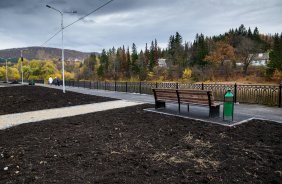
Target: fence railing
(250,94)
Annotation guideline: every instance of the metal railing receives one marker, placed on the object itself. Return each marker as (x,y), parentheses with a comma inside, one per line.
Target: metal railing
(249,94)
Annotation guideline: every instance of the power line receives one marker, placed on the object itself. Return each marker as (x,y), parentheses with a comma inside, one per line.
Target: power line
(51,37)
(78,20)
(89,13)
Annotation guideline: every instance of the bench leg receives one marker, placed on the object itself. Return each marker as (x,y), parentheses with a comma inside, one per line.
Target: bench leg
(159,105)
(214,111)
(178,108)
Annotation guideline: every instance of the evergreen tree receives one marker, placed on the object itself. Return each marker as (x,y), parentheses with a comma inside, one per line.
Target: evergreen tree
(202,51)
(275,56)
(242,30)
(134,58)
(256,36)
(104,61)
(151,56)
(128,61)
(250,34)
(123,60)
(156,52)
(93,61)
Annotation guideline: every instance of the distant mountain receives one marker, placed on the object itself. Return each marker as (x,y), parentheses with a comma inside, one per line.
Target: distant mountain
(44,53)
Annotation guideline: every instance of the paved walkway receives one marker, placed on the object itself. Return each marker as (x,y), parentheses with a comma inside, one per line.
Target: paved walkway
(10,120)
(242,113)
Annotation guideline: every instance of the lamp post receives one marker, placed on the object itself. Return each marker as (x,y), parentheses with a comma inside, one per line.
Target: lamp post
(62,25)
(6,68)
(22,62)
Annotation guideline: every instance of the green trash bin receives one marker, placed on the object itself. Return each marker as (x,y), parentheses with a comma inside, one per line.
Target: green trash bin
(228,109)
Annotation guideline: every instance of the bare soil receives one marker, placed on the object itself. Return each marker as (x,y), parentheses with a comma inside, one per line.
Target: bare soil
(130,145)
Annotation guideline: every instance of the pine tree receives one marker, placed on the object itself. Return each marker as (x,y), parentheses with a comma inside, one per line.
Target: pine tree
(151,56)
(202,51)
(250,34)
(104,61)
(156,52)
(128,61)
(275,56)
(256,35)
(123,60)
(134,58)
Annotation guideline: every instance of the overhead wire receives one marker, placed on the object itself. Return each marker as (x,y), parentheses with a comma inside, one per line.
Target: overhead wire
(51,37)
(89,13)
(78,20)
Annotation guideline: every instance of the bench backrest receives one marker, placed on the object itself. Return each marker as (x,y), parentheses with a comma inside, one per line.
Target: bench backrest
(199,97)
(165,94)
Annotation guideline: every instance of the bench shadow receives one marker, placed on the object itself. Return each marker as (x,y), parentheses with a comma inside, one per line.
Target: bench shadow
(198,113)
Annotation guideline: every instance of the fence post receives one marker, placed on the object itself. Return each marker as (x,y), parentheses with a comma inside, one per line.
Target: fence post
(105,85)
(156,84)
(140,87)
(177,85)
(84,84)
(126,86)
(73,83)
(280,89)
(78,83)
(90,84)
(235,93)
(115,85)
(202,86)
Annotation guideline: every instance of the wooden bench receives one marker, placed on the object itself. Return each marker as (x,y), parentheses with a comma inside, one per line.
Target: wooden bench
(186,96)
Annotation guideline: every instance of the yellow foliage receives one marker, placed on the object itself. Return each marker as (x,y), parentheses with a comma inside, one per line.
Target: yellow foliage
(58,75)
(187,74)
(68,76)
(16,76)
(77,65)
(3,71)
(32,77)
(14,71)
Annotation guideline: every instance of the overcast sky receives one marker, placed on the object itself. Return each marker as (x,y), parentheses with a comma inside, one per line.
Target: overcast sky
(25,23)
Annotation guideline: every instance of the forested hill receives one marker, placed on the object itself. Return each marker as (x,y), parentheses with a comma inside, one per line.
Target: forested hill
(43,53)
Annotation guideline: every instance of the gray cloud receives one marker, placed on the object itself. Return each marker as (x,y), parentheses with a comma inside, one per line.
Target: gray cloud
(123,22)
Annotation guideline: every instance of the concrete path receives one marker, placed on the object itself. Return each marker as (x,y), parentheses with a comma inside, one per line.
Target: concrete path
(242,113)
(10,120)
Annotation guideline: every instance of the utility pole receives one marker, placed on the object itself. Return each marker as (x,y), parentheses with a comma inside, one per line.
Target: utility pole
(22,61)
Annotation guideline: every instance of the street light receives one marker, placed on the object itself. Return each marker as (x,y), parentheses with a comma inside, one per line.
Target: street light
(62,25)
(6,68)
(22,62)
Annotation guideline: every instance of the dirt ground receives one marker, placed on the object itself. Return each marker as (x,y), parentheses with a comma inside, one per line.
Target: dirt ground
(130,145)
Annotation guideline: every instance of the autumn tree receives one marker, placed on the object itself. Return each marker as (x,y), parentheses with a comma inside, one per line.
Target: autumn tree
(222,52)
(48,69)
(246,51)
